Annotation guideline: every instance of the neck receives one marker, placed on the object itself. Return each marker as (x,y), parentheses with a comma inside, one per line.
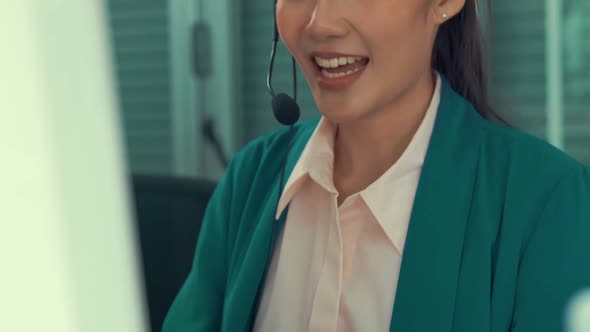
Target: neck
(367,147)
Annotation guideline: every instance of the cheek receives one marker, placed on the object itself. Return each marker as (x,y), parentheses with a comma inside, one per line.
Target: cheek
(283,22)
(400,23)
(289,23)
(292,19)
(403,45)
(400,53)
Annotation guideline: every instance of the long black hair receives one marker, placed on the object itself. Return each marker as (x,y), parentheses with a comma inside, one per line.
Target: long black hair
(459,54)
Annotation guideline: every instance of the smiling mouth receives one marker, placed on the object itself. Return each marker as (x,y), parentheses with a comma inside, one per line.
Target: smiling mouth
(337,67)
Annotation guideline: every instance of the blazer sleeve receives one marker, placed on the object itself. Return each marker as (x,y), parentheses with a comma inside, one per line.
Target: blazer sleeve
(555,263)
(198,305)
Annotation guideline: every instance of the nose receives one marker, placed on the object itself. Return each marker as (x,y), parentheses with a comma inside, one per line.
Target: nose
(326,21)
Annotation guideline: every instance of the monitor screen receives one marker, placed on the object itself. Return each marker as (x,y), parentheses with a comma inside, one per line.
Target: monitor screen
(67,241)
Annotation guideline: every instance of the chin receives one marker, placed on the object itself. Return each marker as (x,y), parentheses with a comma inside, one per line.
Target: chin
(341,115)
(349,107)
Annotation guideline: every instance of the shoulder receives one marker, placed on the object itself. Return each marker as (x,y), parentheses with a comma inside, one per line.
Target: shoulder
(251,179)
(519,175)
(267,151)
(523,155)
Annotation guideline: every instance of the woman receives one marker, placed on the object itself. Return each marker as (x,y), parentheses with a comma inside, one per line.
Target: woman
(406,208)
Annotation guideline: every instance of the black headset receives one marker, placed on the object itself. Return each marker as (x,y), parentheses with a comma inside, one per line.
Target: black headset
(284,107)
(286,112)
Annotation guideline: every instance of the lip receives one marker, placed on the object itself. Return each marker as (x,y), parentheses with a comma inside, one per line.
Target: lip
(337,83)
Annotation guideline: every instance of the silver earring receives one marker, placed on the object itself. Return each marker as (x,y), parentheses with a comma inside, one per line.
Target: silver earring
(445,16)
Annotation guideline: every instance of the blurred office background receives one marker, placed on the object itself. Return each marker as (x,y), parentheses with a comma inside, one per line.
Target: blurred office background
(193,72)
(539,57)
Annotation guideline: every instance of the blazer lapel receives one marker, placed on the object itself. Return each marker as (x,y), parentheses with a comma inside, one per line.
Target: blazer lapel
(244,319)
(425,298)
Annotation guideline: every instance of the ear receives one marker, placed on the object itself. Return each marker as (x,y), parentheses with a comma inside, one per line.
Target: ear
(444,10)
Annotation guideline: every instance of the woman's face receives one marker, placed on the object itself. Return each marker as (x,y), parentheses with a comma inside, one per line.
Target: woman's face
(392,38)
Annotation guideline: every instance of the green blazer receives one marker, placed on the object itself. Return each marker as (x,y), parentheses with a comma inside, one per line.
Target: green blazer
(498,239)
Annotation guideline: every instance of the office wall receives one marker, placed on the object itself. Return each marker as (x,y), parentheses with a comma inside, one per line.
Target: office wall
(164,102)
(539,79)
(521,83)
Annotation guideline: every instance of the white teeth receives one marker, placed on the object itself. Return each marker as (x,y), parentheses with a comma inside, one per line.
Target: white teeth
(323,62)
(335,62)
(335,75)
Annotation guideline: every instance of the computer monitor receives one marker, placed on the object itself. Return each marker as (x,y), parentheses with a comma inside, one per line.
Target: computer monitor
(67,245)
(578,316)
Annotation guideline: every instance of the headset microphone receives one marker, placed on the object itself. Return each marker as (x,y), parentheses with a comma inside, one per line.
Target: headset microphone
(284,108)
(286,111)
